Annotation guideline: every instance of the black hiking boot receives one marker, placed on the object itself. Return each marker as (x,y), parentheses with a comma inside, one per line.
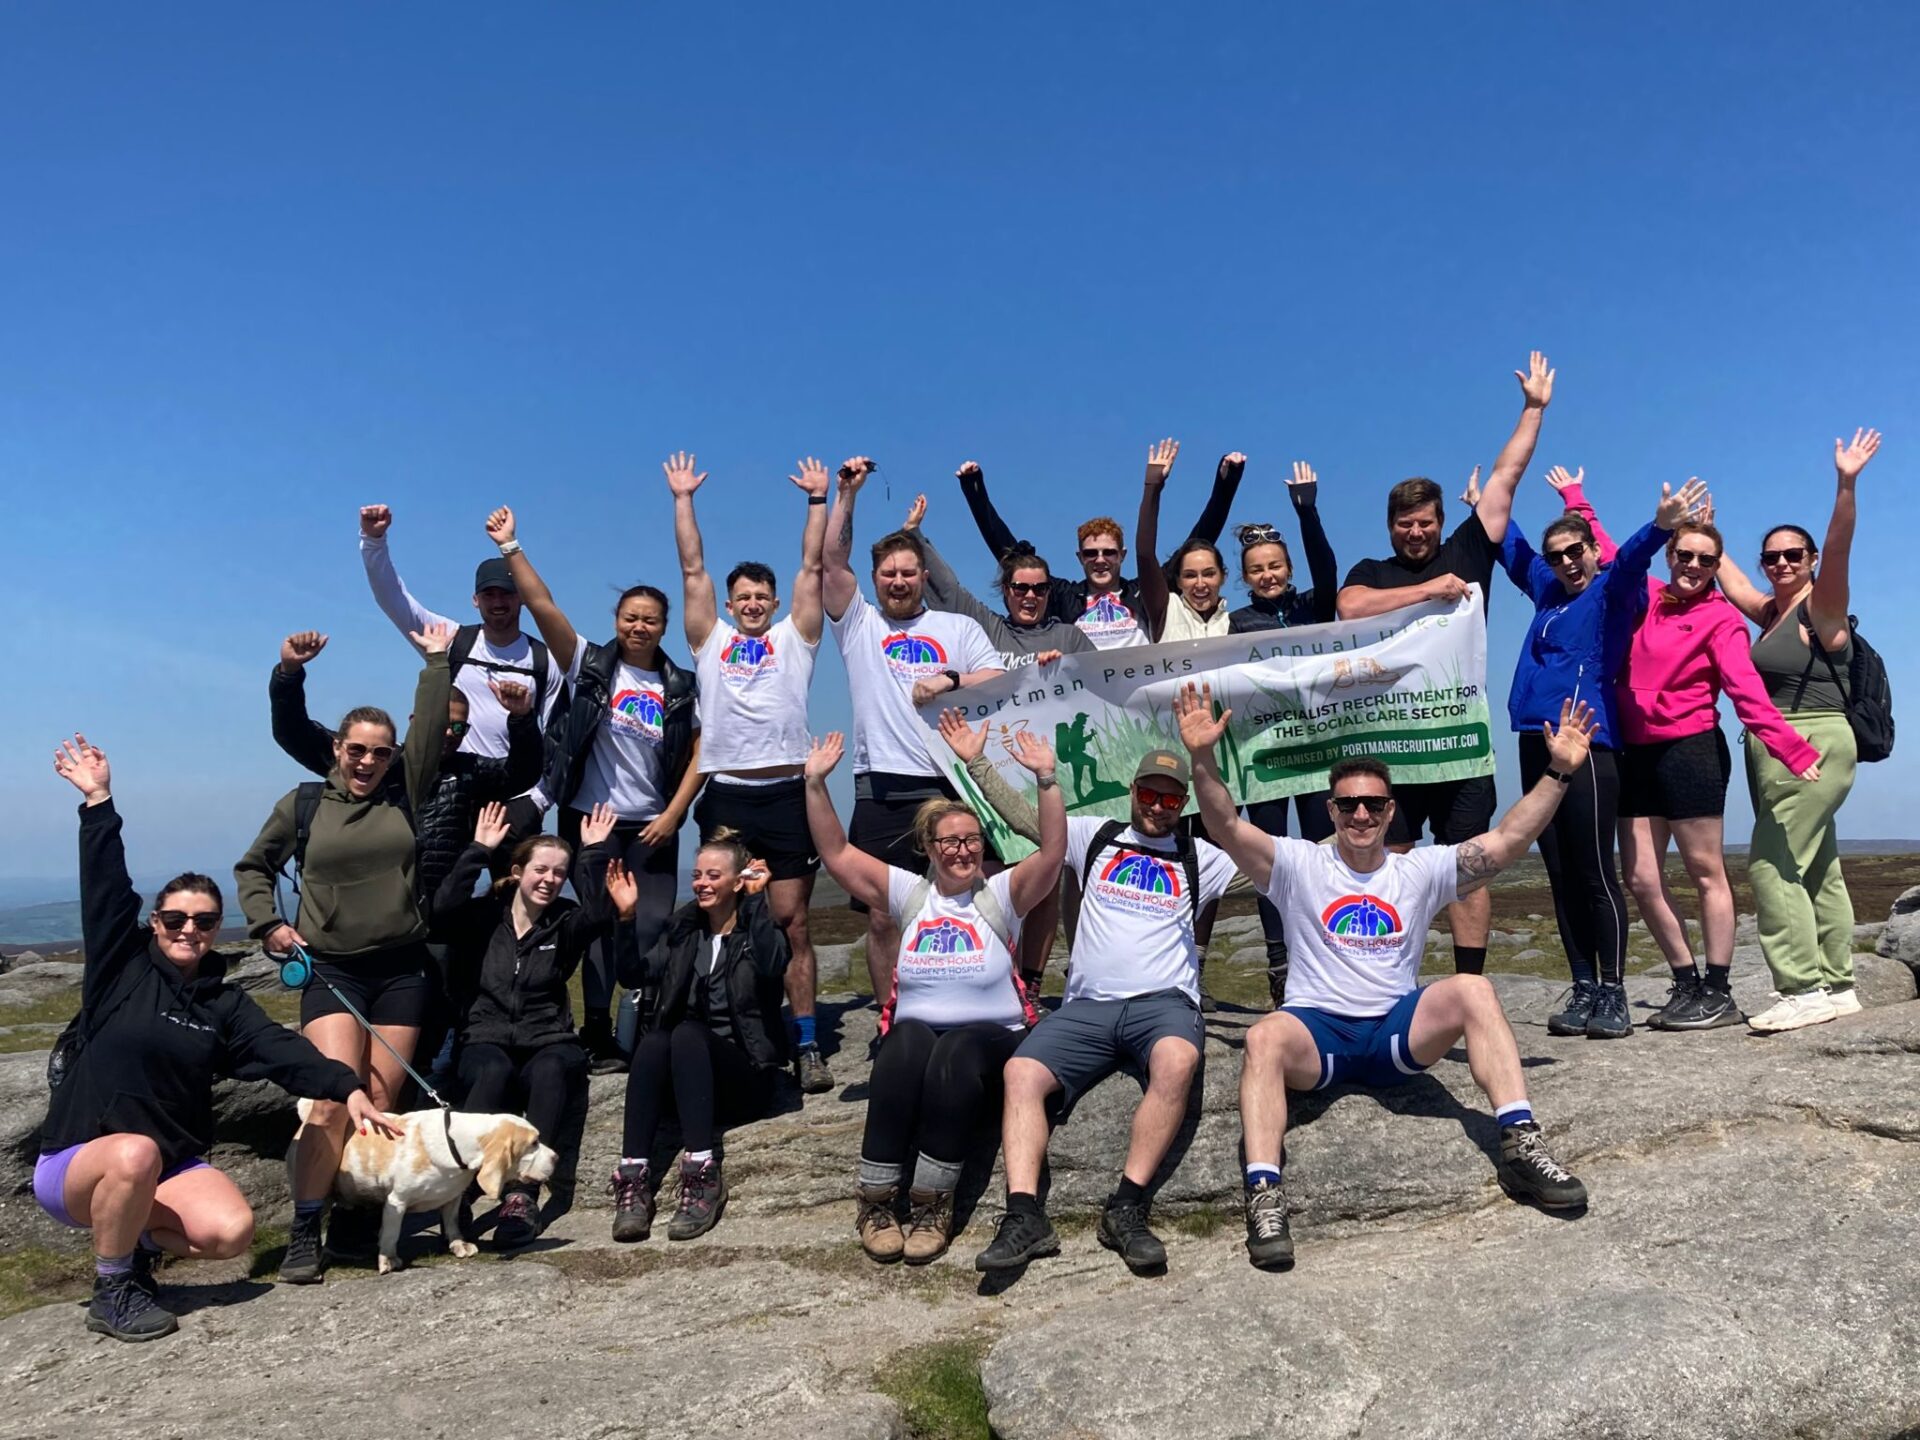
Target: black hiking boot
(1123,1229)
(632,1203)
(1269,1240)
(811,1072)
(1023,1235)
(1686,989)
(302,1264)
(1277,963)
(703,1195)
(1573,1019)
(1706,1009)
(146,1264)
(518,1222)
(596,1034)
(1608,1020)
(1528,1170)
(122,1308)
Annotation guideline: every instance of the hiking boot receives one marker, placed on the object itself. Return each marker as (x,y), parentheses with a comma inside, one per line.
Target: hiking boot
(518,1221)
(703,1195)
(811,1071)
(145,1264)
(1608,1020)
(1706,1009)
(122,1308)
(302,1264)
(1528,1170)
(1844,1002)
(1278,961)
(603,1056)
(1123,1229)
(1269,1240)
(1793,1012)
(1681,999)
(1023,1235)
(879,1229)
(1573,1019)
(929,1224)
(632,1203)
(1208,1005)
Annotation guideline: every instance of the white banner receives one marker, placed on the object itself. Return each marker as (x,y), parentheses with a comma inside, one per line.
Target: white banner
(1408,688)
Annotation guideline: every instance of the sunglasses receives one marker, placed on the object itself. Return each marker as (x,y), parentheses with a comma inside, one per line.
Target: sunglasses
(1257,535)
(959,844)
(174,921)
(1159,799)
(1698,558)
(1571,552)
(1374,804)
(1792,556)
(357,752)
(1029,587)
(1101,554)
(457,728)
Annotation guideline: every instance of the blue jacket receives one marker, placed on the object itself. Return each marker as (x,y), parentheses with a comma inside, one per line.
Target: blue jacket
(1576,644)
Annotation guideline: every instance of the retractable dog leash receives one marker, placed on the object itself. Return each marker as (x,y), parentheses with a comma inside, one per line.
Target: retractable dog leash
(297,971)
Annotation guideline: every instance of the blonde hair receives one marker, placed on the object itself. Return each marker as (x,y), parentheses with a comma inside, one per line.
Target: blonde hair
(727,839)
(931,813)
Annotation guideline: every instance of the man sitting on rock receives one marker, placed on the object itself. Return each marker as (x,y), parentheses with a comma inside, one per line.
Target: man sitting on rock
(1132,1002)
(1357,915)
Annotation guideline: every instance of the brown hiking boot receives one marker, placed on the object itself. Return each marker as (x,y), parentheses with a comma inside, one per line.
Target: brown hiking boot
(632,1203)
(703,1195)
(929,1224)
(879,1231)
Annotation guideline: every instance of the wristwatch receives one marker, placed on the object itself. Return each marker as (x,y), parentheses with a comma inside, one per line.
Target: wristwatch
(1555,774)
(1047,780)
(954,676)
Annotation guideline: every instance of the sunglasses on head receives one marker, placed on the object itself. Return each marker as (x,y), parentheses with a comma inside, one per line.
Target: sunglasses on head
(357,752)
(1099,553)
(1570,552)
(1374,804)
(957,844)
(1792,555)
(174,921)
(1260,534)
(1159,799)
(1699,558)
(1029,587)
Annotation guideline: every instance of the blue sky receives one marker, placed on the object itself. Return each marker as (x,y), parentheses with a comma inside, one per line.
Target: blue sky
(262,266)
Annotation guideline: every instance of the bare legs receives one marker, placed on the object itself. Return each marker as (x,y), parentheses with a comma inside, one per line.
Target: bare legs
(1643,847)
(788,900)
(113,1186)
(1023,1127)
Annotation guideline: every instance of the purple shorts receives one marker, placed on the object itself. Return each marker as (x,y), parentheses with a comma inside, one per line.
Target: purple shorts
(50,1181)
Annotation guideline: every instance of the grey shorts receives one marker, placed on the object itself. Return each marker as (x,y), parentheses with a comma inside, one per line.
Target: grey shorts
(1085,1041)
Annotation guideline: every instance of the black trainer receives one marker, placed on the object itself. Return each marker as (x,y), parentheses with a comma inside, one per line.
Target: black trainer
(1123,1229)
(1269,1239)
(1680,999)
(1528,1170)
(1608,1020)
(1573,1019)
(122,1308)
(1707,1009)
(303,1265)
(811,1071)
(1023,1235)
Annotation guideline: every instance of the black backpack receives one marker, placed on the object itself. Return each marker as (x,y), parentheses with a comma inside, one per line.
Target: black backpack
(1868,692)
(1184,851)
(461,650)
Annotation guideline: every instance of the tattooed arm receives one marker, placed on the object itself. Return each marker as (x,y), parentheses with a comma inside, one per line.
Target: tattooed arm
(837,581)
(1479,860)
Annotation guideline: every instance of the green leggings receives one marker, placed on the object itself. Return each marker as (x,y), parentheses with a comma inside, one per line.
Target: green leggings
(1805,913)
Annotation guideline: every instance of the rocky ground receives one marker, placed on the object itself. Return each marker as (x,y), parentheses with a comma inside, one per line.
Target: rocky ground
(1746,1268)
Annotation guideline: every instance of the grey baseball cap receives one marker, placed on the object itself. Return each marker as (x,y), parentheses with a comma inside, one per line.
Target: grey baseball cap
(1167,764)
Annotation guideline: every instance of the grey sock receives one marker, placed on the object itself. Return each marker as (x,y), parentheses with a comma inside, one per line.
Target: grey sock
(932,1174)
(878,1174)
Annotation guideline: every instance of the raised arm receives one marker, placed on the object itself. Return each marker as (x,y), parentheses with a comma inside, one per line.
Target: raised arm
(496,777)
(1570,488)
(1146,536)
(1496,500)
(1478,860)
(554,626)
(970,746)
(838,583)
(993,530)
(855,871)
(307,742)
(1304,491)
(1748,598)
(1832,584)
(1250,847)
(1213,515)
(427,731)
(808,614)
(1037,876)
(110,933)
(700,611)
(396,602)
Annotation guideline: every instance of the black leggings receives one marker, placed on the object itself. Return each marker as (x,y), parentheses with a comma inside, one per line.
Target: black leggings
(706,1080)
(1578,850)
(1315,825)
(502,1079)
(616,954)
(936,1088)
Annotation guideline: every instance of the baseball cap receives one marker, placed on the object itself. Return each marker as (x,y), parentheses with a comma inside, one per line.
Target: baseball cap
(494,575)
(1167,764)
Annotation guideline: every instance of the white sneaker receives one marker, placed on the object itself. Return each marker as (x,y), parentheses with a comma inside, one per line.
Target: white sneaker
(1844,1002)
(1794,1011)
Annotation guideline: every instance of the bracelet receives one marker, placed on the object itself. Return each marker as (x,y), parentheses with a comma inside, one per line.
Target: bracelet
(1556,775)
(816,499)
(1048,780)
(509,547)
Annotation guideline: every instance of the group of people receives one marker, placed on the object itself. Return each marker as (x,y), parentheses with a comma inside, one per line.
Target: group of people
(428,885)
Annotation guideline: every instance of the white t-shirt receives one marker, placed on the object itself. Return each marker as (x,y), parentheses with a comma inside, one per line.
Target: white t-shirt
(623,766)
(952,969)
(883,659)
(1356,940)
(753,697)
(1136,918)
(1110,623)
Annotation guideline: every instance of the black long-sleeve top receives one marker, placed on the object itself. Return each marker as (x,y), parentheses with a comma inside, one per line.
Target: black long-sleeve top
(1298,607)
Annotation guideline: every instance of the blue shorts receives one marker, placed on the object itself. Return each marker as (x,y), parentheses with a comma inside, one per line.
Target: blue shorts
(1371,1050)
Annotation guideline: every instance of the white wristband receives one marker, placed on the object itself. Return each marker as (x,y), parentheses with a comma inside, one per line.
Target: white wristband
(509,547)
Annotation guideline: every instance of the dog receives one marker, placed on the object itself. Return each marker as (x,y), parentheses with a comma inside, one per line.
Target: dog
(419,1171)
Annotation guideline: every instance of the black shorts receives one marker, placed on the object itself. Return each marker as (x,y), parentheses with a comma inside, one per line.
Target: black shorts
(771,821)
(1684,779)
(883,810)
(390,987)
(1455,810)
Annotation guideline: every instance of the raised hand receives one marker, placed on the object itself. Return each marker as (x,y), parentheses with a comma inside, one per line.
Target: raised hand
(1200,730)
(1691,500)
(813,477)
(435,639)
(1567,746)
(491,827)
(1559,479)
(1160,460)
(965,742)
(500,526)
(514,698)
(1304,487)
(1850,460)
(1032,753)
(622,889)
(374,520)
(300,647)
(854,473)
(681,479)
(598,825)
(969,470)
(83,765)
(755,877)
(823,753)
(916,512)
(1470,496)
(1537,382)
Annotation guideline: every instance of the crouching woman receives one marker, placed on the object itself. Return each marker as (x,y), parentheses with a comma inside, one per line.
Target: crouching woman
(131,1114)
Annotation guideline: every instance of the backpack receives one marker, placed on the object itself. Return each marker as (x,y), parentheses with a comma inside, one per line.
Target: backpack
(1184,851)
(983,899)
(1868,692)
(306,805)
(540,666)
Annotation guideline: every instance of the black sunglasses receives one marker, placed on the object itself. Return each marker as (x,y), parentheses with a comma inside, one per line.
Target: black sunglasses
(1696,557)
(1101,554)
(457,728)
(1560,557)
(174,921)
(358,752)
(1375,804)
(1029,587)
(1792,556)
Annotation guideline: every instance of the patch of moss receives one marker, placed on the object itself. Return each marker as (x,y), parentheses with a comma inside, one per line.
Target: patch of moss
(36,1275)
(938,1389)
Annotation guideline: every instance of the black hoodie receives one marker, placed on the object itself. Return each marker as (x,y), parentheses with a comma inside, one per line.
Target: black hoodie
(755,953)
(156,1040)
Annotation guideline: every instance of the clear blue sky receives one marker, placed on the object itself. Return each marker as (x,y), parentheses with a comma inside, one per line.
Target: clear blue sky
(261,266)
